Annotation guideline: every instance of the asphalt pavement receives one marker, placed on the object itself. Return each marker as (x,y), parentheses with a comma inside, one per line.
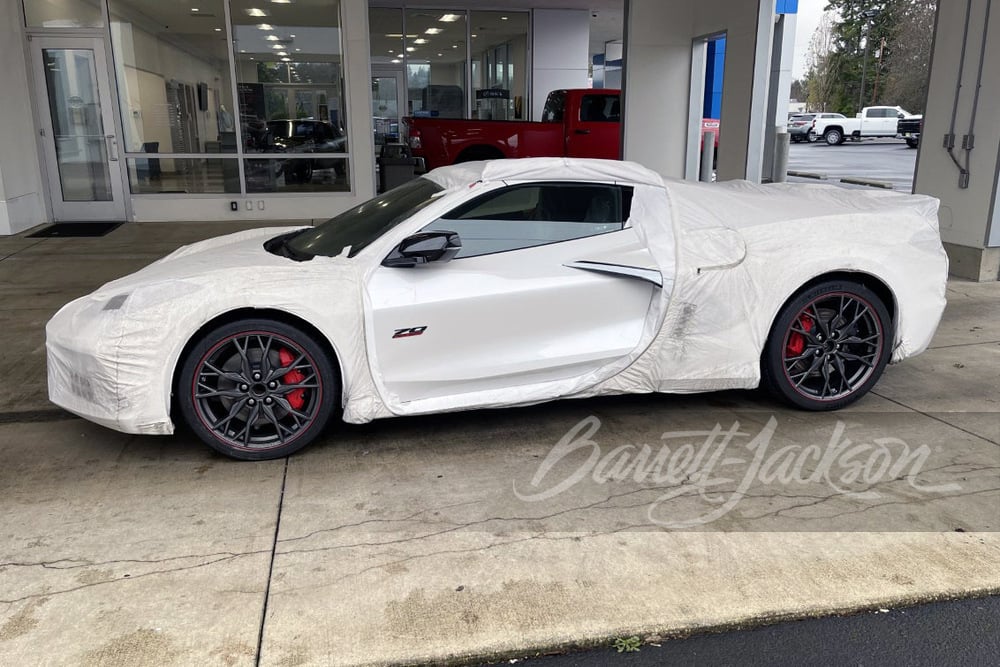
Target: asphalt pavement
(886,160)
(961,632)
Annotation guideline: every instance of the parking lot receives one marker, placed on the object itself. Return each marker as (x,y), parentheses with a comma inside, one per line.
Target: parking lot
(440,539)
(883,160)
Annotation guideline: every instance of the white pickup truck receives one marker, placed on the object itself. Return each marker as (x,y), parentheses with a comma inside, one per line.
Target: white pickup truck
(871,122)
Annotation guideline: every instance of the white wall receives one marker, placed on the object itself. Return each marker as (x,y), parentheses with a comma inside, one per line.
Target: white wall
(658,63)
(966,214)
(560,53)
(22,204)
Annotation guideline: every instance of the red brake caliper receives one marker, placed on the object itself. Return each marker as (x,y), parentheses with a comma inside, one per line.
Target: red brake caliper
(297,397)
(797,342)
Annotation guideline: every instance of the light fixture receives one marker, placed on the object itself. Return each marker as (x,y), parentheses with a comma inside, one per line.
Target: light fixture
(298,49)
(218,30)
(265,26)
(391,51)
(449,18)
(396,35)
(281,2)
(292,36)
(410,49)
(440,54)
(396,61)
(253,11)
(454,46)
(244,51)
(432,31)
(503,18)
(272,38)
(282,53)
(420,40)
(474,35)
(195,9)
(277,46)
(286,60)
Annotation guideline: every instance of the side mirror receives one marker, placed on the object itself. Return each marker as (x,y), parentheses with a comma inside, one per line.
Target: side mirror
(424,248)
(900,116)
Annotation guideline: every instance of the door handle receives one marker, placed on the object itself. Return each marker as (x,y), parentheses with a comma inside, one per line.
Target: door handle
(583,131)
(112,147)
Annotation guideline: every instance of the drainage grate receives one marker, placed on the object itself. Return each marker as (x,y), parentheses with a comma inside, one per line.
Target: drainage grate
(71,229)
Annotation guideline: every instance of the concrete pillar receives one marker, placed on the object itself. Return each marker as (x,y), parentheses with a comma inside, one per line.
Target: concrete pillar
(782,61)
(22,204)
(561,53)
(970,216)
(664,40)
(358,115)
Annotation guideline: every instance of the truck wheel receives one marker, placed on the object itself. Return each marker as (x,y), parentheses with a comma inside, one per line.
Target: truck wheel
(477,153)
(833,137)
(913,143)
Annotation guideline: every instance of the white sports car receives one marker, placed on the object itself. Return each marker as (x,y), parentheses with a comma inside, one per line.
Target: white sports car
(507,283)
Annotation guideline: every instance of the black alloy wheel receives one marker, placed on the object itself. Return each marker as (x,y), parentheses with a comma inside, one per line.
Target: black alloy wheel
(828,347)
(257,389)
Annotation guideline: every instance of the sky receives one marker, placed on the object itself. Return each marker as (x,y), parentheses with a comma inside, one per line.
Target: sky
(810,12)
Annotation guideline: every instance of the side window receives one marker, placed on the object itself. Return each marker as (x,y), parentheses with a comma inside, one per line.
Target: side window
(600,109)
(304,130)
(554,107)
(525,216)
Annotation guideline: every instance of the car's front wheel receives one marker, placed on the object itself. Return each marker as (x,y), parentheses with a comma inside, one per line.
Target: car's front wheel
(828,346)
(257,389)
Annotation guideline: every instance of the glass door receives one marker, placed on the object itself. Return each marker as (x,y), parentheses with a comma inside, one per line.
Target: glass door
(78,129)
(387,105)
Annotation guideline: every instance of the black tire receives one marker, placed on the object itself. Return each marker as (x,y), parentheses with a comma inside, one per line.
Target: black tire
(913,143)
(272,414)
(833,137)
(828,346)
(811,137)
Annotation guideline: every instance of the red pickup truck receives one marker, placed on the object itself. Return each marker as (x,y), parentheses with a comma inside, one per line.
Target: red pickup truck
(575,123)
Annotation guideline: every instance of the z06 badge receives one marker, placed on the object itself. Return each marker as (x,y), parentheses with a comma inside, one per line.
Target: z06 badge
(409,332)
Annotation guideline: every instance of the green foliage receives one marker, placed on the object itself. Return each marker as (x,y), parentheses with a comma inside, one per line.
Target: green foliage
(869,52)
(627,644)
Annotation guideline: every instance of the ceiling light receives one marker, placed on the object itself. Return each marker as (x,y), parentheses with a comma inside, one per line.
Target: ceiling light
(396,60)
(281,2)
(410,49)
(421,40)
(218,30)
(272,38)
(474,35)
(282,53)
(440,54)
(277,46)
(449,18)
(503,18)
(194,9)
(286,60)
(298,49)
(432,31)
(265,26)
(397,35)
(253,11)
(291,35)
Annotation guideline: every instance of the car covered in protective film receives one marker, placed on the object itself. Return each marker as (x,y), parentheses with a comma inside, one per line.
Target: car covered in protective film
(504,283)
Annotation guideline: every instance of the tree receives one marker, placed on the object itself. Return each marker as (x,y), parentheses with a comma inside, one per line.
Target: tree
(822,75)
(907,60)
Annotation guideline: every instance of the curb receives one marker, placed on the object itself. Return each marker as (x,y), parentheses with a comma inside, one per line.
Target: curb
(885,185)
(808,174)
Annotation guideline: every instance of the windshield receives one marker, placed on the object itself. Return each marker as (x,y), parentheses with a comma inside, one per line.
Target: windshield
(358,227)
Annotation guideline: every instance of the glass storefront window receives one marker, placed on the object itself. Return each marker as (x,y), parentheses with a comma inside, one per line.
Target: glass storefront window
(153,175)
(290,83)
(174,83)
(499,64)
(63,14)
(436,63)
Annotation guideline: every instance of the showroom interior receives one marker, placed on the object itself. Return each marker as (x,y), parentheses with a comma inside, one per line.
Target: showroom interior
(200,110)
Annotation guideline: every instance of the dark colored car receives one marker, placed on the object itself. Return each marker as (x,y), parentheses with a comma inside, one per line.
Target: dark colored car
(305,135)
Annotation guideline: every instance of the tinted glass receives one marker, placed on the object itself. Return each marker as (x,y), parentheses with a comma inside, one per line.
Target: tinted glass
(357,228)
(555,105)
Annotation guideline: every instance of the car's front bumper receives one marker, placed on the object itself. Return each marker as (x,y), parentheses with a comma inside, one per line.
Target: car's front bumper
(84,370)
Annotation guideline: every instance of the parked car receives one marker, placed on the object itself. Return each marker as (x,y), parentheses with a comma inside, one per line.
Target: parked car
(306,135)
(575,123)
(872,122)
(909,128)
(502,283)
(800,127)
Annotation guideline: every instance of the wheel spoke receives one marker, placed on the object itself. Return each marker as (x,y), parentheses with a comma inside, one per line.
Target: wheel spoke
(812,369)
(278,428)
(251,420)
(265,359)
(285,370)
(839,363)
(219,393)
(244,358)
(233,411)
(232,377)
(863,360)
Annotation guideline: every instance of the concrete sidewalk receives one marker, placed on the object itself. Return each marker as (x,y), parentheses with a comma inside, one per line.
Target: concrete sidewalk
(417,540)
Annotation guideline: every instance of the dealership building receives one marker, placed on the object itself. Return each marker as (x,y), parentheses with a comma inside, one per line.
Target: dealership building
(208,110)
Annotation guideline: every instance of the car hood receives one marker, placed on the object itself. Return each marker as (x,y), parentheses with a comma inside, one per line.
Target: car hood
(233,257)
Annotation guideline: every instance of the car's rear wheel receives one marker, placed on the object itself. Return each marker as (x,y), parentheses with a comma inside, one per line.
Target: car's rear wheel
(257,389)
(912,143)
(811,137)
(833,137)
(828,346)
